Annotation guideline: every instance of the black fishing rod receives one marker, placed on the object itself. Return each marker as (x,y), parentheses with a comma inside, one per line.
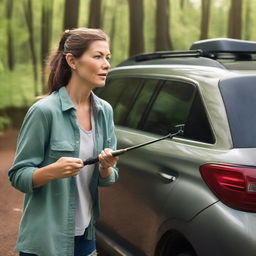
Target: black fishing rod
(124,150)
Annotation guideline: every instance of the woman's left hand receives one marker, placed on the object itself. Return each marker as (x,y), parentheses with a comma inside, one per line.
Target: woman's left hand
(106,161)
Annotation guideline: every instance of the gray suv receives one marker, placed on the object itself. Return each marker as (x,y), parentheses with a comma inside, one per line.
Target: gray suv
(194,194)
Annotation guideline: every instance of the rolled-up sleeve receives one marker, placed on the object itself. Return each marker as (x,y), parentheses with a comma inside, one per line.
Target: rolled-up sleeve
(112,145)
(30,150)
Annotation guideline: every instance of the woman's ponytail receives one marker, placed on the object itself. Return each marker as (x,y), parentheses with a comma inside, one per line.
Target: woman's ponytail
(60,71)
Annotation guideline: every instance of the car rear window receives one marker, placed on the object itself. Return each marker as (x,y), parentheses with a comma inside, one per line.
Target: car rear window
(239,96)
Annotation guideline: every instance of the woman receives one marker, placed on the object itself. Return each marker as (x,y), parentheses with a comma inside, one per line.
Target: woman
(59,132)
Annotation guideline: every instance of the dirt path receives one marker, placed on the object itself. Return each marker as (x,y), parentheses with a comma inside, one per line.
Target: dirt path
(10,199)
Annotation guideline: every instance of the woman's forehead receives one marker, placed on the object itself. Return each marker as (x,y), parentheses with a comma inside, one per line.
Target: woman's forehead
(100,46)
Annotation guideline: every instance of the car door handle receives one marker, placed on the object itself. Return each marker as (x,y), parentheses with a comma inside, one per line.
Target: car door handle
(167,178)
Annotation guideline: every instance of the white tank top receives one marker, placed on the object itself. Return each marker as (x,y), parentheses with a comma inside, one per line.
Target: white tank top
(84,201)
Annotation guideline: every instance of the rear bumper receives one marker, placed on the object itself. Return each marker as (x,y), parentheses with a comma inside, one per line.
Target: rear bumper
(220,230)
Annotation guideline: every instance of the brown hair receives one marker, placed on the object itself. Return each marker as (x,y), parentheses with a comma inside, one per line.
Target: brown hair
(74,41)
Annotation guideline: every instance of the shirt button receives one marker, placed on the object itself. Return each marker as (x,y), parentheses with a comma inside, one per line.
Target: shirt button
(77,141)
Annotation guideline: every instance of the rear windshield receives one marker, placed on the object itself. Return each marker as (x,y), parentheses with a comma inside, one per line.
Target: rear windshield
(239,95)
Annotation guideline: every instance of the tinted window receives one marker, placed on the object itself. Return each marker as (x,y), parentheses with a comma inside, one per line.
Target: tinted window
(121,94)
(197,126)
(156,106)
(170,107)
(239,95)
(141,102)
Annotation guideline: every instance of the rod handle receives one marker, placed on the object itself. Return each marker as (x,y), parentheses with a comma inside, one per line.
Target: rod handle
(91,160)
(96,159)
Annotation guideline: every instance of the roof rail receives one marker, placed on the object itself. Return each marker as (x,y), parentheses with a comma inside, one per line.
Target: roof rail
(168,54)
(214,49)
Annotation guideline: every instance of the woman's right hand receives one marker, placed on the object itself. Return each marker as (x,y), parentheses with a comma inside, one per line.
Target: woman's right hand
(63,168)
(67,167)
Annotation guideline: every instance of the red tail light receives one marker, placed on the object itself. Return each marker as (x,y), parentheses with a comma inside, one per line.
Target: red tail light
(234,185)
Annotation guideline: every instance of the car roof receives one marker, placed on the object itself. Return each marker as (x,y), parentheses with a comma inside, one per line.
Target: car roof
(220,53)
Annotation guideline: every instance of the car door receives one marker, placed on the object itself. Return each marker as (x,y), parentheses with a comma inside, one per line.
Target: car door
(132,209)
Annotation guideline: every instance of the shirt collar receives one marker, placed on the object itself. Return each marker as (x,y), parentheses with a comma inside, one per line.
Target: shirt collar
(66,102)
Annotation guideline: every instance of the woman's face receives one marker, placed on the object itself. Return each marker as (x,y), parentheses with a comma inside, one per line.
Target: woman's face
(93,66)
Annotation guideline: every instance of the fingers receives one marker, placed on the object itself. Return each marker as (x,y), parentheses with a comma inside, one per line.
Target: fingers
(106,159)
(73,160)
(72,172)
(69,166)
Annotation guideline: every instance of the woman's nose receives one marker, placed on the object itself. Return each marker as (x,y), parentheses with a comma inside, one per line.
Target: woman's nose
(106,64)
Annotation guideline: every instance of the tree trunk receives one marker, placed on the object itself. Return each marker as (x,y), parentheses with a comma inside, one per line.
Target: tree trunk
(163,39)
(182,4)
(112,31)
(95,14)
(27,4)
(46,31)
(71,14)
(10,48)
(136,27)
(205,18)
(235,19)
(248,20)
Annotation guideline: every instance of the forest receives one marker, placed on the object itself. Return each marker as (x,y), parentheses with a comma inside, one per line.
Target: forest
(30,30)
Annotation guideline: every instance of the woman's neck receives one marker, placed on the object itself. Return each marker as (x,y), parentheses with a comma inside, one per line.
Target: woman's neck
(79,92)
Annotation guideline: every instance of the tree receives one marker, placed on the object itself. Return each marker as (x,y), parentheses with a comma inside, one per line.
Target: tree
(113,29)
(10,48)
(95,14)
(235,19)
(71,14)
(182,4)
(27,5)
(136,27)
(248,20)
(46,31)
(205,18)
(163,37)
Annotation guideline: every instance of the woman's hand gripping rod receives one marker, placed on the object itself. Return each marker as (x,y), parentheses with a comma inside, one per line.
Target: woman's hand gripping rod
(124,150)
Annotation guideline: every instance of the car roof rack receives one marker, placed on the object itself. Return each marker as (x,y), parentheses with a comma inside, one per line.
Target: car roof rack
(168,54)
(224,45)
(226,48)
(218,48)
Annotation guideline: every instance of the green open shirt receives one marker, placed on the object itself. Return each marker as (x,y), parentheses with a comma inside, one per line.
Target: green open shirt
(50,131)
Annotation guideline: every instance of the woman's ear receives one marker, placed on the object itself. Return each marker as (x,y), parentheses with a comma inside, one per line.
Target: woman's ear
(71,60)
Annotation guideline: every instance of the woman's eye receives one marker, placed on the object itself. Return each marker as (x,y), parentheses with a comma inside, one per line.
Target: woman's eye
(108,58)
(97,57)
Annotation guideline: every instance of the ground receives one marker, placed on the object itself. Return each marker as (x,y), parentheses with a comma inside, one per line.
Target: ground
(10,198)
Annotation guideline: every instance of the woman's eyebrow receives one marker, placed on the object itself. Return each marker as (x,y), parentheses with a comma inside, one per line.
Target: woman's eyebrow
(103,53)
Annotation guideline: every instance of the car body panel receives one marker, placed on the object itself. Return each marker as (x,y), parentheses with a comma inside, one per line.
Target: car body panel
(160,187)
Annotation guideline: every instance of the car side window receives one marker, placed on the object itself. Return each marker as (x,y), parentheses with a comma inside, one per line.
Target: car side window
(197,126)
(170,107)
(110,93)
(121,93)
(141,103)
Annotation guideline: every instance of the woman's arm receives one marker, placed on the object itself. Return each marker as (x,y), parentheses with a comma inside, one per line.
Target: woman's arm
(107,169)
(63,168)
(107,161)
(30,151)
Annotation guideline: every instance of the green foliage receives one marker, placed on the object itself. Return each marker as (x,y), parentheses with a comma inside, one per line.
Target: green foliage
(17,87)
